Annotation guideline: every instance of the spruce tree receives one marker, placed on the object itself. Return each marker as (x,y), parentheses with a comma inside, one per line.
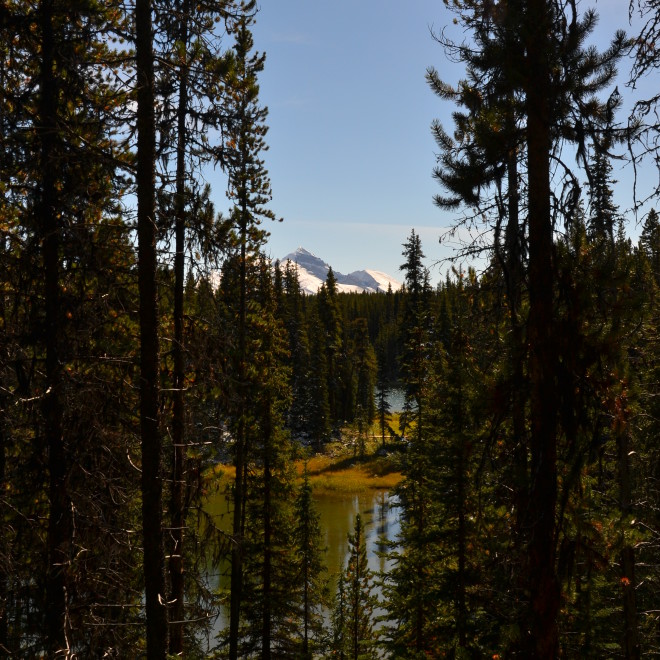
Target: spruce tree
(383,408)
(339,641)
(360,600)
(331,319)
(310,571)
(535,37)
(249,189)
(293,316)
(363,365)
(318,420)
(191,62)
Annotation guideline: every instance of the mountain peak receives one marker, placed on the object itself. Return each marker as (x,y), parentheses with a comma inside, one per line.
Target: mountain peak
(302,252)
(312,273)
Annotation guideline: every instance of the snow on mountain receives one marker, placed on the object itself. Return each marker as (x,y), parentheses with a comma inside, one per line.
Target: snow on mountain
(309,262)
(372,280)
(312,273)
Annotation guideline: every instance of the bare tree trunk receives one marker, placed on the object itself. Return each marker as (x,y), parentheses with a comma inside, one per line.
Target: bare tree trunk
(514,280)
(4,547)
(152,487)
(540,527)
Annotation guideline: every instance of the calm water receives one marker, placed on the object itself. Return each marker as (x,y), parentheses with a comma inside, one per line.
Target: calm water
(396,399)
(337,513)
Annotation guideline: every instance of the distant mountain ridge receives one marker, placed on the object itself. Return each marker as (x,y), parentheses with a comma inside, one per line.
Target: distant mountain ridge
(312,273)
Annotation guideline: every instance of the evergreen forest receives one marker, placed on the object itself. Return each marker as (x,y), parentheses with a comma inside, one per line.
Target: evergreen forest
(147,339)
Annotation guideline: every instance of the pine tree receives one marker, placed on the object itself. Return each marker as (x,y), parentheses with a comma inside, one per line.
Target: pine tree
(249,189)
(528,37)
(360,601)
(269,605)
(645,63)
(339,643)
(310,569)
(649,241)
(157,633)
(191,60)
(331,319)
(60,153)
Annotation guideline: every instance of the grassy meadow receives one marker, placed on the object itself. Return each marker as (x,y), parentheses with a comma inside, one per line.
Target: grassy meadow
(347,465)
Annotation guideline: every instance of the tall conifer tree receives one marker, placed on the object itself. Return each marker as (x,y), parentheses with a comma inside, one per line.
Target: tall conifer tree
(311,570)
(152,488)
(544,66)
(249,189)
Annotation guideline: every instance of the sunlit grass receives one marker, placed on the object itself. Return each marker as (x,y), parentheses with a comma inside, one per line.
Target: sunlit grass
(341,469)
(343,474)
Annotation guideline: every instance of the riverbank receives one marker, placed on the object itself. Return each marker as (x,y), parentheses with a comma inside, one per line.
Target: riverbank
(339,468)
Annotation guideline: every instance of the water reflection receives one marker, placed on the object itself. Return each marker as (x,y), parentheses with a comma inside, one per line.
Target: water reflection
(337,513)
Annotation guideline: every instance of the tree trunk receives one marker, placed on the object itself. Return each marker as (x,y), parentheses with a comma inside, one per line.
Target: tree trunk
(306,579)
(631,649)
(513,265)
(152,488)
(266,630)
(421,530)
(60,517)
(240,454)
(514,278)
(541,632)
(461,600)
(177,505)
(4,549)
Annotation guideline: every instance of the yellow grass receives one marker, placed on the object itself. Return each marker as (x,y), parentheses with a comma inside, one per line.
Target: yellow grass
(338,470)
(343,474)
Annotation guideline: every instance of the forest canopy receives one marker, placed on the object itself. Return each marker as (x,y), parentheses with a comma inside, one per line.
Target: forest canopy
(147,342)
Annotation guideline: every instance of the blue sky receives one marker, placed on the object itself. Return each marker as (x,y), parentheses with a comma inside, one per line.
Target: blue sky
(351,152)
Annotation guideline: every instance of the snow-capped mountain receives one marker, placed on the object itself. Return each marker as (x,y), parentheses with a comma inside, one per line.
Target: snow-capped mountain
(312,272)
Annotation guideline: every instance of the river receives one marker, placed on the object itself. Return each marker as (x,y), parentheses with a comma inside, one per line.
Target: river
(337,513)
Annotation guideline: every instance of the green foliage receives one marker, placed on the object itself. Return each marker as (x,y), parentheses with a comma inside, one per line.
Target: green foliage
(353,619)
(263,367)
(310,580)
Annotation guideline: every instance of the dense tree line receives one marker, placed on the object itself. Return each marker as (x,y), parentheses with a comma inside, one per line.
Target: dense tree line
(126,356)
(144,338)
(533,436)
